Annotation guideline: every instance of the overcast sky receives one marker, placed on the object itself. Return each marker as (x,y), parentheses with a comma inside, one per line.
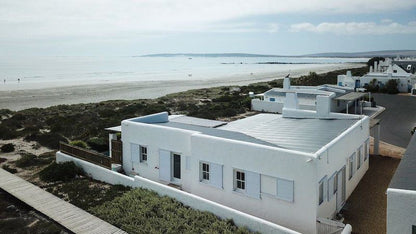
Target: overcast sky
(135,27)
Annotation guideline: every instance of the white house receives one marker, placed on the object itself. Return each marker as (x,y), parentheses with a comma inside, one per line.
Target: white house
(273,99)
(379,74)
(290,169)
(401,194)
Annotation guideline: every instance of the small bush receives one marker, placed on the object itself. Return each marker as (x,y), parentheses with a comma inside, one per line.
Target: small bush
(7,148)
(60,172)
(50,139)
(26,160)
(98,143)
(9,169)
(79,143)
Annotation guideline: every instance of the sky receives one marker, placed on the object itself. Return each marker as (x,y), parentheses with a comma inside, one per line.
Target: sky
(137,27)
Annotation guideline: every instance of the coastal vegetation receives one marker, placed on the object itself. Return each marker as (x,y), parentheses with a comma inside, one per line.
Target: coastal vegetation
(144,211)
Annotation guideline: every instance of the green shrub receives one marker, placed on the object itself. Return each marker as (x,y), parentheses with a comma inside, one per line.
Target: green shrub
(144,211)
(9,169)
(98,143)
(28,159)
(7,148)
(60,172)
(50,139)
(391,87)
(79,143)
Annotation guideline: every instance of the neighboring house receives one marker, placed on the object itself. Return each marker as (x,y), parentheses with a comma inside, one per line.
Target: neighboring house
(291,169)
(273,100)
(379,74)
(401,194)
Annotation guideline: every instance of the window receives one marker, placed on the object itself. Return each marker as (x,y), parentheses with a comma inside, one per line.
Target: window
(143,154)
(205,171)
(335,183)
(359,158)
(321,193)
(366,150)
(338,103)
(272,99)
(211,173)
(240,180)
(351,165)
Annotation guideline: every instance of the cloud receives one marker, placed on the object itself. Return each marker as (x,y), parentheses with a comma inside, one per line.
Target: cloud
(357,28)
(63,18)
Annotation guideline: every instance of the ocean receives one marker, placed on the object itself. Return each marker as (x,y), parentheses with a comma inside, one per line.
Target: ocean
(49,71)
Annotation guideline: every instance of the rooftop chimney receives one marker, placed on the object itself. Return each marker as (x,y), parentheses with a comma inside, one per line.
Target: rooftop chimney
(286,83)
(349,74)
(291,100)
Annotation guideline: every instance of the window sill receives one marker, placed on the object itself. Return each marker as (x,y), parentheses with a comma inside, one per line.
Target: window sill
(206,182)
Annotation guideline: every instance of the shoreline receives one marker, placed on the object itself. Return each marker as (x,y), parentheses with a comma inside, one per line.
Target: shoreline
(16,100)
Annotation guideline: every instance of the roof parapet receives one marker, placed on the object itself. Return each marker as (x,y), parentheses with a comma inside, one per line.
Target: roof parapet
(323,105)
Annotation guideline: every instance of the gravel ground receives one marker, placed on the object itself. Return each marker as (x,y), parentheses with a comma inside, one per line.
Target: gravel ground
(398,119)
(365,209)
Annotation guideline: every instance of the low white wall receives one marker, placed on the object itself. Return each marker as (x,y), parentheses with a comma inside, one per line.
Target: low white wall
(196,202)
(266,106)
(401,209)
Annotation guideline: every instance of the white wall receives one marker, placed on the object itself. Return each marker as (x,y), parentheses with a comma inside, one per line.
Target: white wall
(299,215)
(336,157)
(266,106)
(401,210)
(154,138)
(239,218)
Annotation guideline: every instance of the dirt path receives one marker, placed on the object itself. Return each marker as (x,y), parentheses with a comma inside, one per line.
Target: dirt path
(366,208)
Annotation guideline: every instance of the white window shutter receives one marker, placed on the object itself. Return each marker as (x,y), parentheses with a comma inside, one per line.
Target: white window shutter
(331,187)
(188,163)
(215,174)
(285,189)
(253,184)
(135,152)
(164,165)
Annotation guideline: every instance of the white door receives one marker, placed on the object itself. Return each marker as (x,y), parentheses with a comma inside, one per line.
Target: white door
(341,176)
(164,165)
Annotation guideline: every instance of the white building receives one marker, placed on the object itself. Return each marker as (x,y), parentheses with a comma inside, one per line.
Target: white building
(290,169)
(273,100)
(379,74)
(401,194)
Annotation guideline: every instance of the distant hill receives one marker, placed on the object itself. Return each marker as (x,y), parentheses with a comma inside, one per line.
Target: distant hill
(211,55)
(368,54)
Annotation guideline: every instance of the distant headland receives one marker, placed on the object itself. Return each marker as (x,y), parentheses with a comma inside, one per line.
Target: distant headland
(367,54)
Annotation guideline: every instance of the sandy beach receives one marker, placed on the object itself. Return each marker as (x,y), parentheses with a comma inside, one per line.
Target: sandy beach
(28,97)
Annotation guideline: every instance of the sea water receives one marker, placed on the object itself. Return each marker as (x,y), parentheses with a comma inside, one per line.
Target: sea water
(55,71)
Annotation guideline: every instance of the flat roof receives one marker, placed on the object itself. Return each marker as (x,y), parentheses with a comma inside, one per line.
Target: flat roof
(196,121)
(405,176)
(304,135)
(351,96)
(216,132)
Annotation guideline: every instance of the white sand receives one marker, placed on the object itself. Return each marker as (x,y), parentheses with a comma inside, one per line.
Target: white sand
(44,97)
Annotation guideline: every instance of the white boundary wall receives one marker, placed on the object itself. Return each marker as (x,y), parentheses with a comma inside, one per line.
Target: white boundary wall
(401,208)
(196,202)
